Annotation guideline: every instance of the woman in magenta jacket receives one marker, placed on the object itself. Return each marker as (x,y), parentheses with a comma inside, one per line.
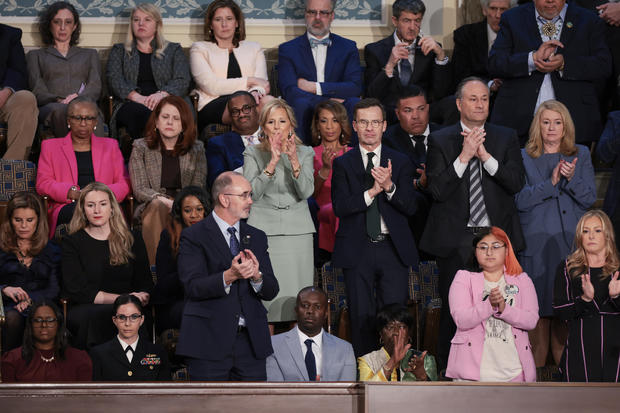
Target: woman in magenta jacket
(70,163)
(493,308)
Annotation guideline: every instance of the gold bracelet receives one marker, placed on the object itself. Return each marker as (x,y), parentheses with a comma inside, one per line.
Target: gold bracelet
(321,176)
(269,174)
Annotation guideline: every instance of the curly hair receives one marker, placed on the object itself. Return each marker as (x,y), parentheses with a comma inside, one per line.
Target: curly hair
(187,138)
(236,10)
(47,16)
(8,237)
(176,224)
(120,239)
(340,113)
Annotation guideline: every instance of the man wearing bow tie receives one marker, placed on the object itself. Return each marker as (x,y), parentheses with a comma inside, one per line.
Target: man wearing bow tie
(225,152)
(318,65)
(405,58)
(545,50)
(410,137)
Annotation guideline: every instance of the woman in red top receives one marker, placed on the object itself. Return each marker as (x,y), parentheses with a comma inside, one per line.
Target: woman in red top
(45,355)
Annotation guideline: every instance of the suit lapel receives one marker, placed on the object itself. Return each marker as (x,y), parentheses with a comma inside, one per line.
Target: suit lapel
(97,155)
(567,32)
(477,286)
(482,37)
(294,346)
(67,149)
(531,26)
(217,238)
(117,352)
(357,165)
(330,59)
(306,55)
(185,165)
(328,357)
(153,158)
(406,145)
(139,353)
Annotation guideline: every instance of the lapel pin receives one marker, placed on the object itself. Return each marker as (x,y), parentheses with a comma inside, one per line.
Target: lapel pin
(569,25)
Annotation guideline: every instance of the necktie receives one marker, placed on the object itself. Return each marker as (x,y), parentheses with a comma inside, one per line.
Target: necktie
(315,42)
(373,220)
(477,210)
(405,71)
(234,242)
(129,353)
(420,149)
(310,360)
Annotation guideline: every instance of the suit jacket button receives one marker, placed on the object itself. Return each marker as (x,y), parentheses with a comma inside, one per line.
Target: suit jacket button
(564,211)
(526,347)
(469,344)
(151,367)
(130,373)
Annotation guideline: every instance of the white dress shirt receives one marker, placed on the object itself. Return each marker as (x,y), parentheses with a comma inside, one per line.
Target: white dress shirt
(316,348)
(411,57)
(319,54)
(249,140)
(546,88)
(124,345)
(223,226)
(491,165)
(375,162)
(427,132)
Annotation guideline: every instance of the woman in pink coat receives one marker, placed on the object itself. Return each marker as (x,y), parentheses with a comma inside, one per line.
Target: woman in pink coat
(70,163)
(493,308)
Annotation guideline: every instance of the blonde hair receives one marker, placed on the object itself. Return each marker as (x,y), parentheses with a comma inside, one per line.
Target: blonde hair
(577,262)
(160,42)
(120,239)
(534,146)
(269,107)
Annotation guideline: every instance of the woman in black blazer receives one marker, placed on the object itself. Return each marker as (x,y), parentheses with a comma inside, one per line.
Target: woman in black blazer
(129,357)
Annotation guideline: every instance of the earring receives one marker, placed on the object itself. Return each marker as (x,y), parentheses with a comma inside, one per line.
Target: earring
(319,138)
(68,126)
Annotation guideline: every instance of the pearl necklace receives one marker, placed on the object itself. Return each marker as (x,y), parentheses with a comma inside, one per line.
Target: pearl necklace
(46,360)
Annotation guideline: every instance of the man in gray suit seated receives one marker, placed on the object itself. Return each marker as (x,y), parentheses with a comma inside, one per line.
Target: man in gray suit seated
(307,353)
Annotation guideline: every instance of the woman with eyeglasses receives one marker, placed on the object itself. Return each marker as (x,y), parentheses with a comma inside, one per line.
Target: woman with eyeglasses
(190,206)
(494,305)
(29,264)
(45,355)
(101,259)
(559,188)
(396,360)
(129,357)
(166,160)
(281,171)
(225,63)
(586,296)
(61,71)
(68,164)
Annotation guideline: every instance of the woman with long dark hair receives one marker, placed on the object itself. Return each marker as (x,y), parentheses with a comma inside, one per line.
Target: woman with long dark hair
(45,355)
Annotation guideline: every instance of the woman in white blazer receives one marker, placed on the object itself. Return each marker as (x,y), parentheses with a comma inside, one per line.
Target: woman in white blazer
(225,63)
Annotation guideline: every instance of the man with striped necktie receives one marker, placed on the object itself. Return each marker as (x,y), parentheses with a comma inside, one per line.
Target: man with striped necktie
(473,169)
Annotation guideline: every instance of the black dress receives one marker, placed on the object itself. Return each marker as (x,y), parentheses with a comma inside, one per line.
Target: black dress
(40,281)
(86,270)
(592,352)
(168,292)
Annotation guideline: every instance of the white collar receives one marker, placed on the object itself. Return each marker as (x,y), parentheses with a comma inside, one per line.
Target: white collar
(124,344)
(318,339)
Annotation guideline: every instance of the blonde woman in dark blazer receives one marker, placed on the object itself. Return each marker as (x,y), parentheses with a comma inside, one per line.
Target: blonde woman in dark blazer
(166,160)
(143,70)
(281,172)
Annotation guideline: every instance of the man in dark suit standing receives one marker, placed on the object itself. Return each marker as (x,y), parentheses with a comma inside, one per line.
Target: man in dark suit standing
(225,152)
(405,58)
(225,270)
(372,194)
(410,137)
(545,50)
(472,43)
(18,107)
(318,65)
(474,169)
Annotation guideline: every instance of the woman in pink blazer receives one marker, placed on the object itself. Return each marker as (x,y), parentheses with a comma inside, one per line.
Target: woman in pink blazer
(493,308)
(70,163)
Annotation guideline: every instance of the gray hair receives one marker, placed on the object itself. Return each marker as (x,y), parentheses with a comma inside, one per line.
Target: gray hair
(485,3)
(82,100)
(459,88)
(412,6)
(333,2)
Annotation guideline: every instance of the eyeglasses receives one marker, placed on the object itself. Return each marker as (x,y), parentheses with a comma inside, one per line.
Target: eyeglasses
(79,119)
(245,109)
(485,248)
(245,195)
(39,321)
(322,13)
(132,318)
(375,123)
(394,326)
